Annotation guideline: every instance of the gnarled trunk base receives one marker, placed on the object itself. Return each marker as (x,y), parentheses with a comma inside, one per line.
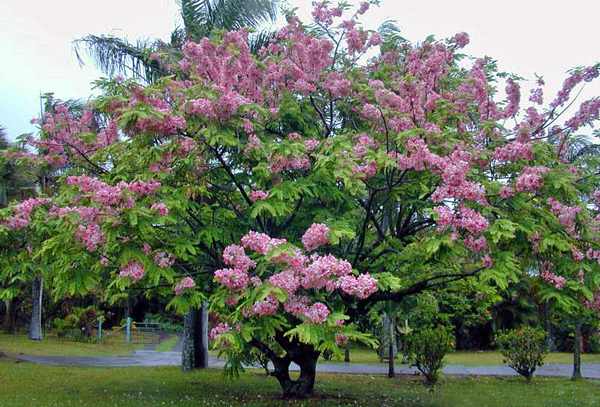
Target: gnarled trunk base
(303,386)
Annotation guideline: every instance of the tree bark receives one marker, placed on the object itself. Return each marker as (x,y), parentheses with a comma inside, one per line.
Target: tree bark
(391,346)
(194,353)
(12,310)
(550,340)
(347,352)
(305,384)
(35,322)
(577,351)
(388,337)
(304,355)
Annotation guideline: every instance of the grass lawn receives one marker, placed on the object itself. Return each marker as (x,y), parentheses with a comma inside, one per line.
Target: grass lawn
(167,345)
(469,358)
(28,384)
(113,345)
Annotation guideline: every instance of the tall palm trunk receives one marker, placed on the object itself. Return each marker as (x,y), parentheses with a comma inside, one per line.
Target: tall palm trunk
(35,322)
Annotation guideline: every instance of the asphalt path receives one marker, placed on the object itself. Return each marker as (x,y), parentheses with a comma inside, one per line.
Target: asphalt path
(146,358)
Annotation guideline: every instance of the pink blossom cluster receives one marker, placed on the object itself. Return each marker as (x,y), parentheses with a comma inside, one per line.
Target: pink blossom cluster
(186,282)
(219,329)
(594,304)
(163,259)
(362,287)
(536,240)
(340,339)
(567,215)
(300,273)
(587,75)
(366,171)
(558,281)
(87,213)
(260,242)
(265,307)
(160,208)
(234,255)
(133,269)
(476,245)
(317,313)
(259,195)
(91,236)
(588,111)
(111,195)
(315,236)
(531,179)
(281,163)
(513,152)
(467,218)
(507,192)
(513,92)
(235,279)
(23,211)
(461,39)
(222,108)
(322,14)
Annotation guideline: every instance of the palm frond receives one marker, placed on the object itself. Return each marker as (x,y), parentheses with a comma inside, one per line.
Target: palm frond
(260,39)
(113,55)
(201,17)
(4,143)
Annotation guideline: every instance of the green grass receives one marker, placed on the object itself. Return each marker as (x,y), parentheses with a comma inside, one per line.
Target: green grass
(113,345)
(28,384)
(468,358)
(167,345)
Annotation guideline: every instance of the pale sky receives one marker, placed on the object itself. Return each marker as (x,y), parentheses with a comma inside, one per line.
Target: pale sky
(525,36)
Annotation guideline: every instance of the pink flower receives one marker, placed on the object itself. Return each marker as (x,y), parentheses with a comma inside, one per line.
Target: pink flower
(317,313)
(186,282)
(163,259)
(259,195)
(235,279)
(315,236)
(160,208)
(132,269)
(219,329)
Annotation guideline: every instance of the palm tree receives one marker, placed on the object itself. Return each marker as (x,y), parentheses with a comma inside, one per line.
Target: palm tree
(114,55)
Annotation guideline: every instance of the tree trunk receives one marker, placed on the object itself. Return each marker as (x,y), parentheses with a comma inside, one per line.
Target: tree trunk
(391,343)
(550,339)
(305,384)
(387,339)
(194,354)
(12,310)
(577,352)
(347,353)
(35,323)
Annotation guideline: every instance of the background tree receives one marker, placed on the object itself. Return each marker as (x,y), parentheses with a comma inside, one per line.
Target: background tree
(200,19)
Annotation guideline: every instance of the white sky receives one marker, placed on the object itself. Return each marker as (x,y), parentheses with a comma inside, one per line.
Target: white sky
(525,36)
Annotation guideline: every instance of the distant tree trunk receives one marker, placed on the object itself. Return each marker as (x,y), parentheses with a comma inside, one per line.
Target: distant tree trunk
(129,308)
(391,346)
(387,339)
(194,354)
(550,339)
(10,319)
(35,323)
(577,351)
(347,353)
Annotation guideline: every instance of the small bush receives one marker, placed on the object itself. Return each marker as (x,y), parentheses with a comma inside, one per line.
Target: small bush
(426,350)
(524,349)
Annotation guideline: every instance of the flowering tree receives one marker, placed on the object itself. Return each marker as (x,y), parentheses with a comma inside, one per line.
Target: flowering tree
(304,185)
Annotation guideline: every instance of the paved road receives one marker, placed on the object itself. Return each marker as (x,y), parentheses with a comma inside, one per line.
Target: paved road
(152,358)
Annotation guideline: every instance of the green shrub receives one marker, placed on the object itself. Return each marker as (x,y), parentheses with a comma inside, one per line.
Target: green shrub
(426,350)
(524,349)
